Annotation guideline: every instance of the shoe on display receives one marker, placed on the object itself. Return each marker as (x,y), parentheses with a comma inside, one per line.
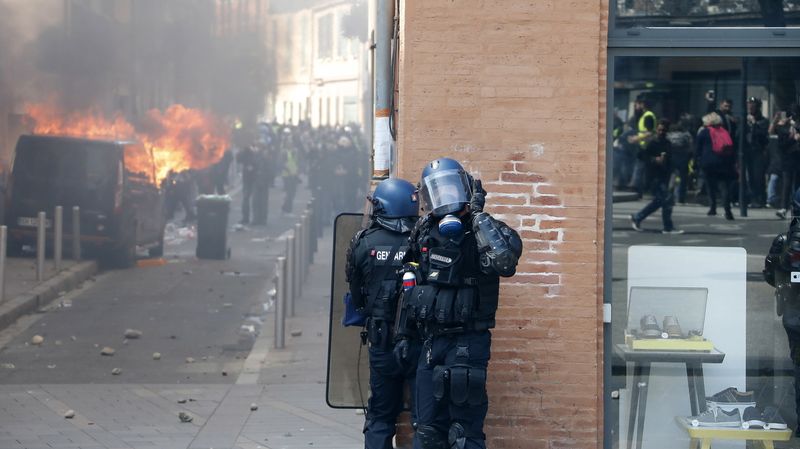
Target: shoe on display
(752,418)
(773,419)
(649,327)
(672,327)
(635,224)
(731,398)
(732,395)
(716,417)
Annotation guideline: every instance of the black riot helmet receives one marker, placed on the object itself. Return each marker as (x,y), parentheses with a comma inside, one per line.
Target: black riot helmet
(394,198)
(445,188)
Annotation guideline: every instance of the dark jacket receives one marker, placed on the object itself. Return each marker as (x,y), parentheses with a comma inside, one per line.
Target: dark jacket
(756,136)
(658,171)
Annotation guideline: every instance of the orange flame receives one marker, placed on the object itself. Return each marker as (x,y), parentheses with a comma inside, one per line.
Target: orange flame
(179,138)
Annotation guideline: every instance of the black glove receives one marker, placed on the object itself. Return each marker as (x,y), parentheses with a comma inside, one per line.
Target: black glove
(401,353)
(478,199)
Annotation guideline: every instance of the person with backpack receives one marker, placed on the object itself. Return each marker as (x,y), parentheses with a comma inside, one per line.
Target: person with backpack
(716,157)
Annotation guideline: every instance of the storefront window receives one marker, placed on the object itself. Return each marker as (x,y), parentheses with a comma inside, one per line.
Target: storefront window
(706,13)
(705,163)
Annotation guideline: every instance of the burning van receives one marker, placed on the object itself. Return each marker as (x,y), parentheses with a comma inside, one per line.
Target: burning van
(113,183)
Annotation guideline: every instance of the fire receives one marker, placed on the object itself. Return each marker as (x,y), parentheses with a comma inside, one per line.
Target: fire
(179,138)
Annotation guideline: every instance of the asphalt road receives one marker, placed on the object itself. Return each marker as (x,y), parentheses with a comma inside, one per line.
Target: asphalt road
(205,310)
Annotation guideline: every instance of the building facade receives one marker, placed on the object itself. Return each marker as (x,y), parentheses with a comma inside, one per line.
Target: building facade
(321,72)
(545,102)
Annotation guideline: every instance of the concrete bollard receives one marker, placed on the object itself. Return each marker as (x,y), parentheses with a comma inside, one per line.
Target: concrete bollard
(280,304)
(304,246)
(41,225)
(76,233)
(58,236)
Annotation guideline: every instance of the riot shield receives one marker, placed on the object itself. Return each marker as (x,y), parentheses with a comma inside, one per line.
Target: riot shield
(348,361)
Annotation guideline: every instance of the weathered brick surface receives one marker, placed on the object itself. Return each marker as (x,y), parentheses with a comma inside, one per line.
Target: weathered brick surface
(515,90)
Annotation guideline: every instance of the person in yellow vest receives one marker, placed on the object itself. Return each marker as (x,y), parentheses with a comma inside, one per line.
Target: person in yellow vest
(643,121)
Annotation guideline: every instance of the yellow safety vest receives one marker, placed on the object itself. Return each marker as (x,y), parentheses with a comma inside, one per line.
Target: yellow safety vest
(643,129)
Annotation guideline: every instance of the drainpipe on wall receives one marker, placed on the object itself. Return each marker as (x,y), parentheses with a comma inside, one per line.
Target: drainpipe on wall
(383,143)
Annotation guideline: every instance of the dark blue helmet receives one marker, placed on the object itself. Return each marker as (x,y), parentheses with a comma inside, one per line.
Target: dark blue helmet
(395,198)
(445,187)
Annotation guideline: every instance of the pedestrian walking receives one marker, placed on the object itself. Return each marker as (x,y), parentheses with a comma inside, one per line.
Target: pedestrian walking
(657,157)
(716,157)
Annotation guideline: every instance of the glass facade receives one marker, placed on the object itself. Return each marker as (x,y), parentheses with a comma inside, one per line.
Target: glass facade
(704,164)
(706,13)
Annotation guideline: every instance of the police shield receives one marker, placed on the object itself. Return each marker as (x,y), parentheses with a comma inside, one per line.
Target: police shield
(348,359)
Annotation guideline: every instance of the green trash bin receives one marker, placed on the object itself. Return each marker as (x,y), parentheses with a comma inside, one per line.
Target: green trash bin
(212,226)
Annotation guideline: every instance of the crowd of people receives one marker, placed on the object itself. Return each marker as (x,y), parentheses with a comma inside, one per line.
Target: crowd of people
(334,161)
(698,158)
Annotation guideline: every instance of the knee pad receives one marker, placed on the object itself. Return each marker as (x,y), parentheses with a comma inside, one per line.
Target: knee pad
(456,436)
(467,385)
(430,438)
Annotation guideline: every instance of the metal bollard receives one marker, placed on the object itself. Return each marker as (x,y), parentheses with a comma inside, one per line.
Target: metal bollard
(58,236)
(40,245)
(290,275)
(280,305)
(303,246)
(298,269)
(3,247)
(76,233)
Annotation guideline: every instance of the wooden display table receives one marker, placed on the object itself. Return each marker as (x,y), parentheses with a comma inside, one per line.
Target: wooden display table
(701,436)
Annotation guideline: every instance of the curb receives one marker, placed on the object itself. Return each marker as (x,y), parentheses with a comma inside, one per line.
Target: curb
(45,292)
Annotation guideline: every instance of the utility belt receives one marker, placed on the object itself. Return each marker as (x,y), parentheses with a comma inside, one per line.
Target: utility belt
(442,310)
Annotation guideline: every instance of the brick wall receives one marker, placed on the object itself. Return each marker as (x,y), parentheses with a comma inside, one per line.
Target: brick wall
(516,91)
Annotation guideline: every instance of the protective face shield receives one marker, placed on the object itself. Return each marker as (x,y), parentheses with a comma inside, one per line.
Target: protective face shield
(445,192)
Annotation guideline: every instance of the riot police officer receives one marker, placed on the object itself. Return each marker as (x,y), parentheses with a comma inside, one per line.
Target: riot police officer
(462,253)
(782,260)
(373,262)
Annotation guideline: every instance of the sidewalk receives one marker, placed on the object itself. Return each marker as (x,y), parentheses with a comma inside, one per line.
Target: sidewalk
(24,294)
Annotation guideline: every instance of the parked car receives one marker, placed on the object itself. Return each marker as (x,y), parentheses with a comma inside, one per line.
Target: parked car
(113,183)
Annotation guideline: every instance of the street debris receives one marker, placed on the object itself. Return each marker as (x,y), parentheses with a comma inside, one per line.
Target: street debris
(65,303)
(57,343)
(187,272)
(107,350)
(181,401)
(189,360)
(132,334)
(156,356)
(185,417)
(116,372)
(224,373)
(73,338)
(253,407)
(51,366)
(227,305)
(8,365)
(296,333)
(69,414)
(37,340)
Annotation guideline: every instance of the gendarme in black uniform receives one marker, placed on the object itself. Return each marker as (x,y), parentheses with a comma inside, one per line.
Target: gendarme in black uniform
(462,252)
(783,259)
(373,263)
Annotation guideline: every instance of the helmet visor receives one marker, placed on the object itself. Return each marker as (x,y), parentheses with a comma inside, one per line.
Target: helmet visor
(444,192)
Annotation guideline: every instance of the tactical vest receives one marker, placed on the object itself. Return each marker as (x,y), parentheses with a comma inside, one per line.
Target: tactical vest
(385,252)
(453,295)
